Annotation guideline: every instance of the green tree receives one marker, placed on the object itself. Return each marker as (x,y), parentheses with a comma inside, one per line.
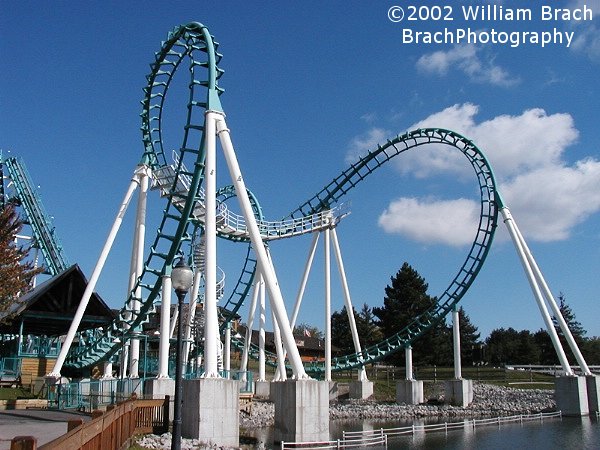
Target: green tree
(591,350)
(368,331)
(509,346)
(405,299)
(545,347)
(308,330)
(547,351)
(16,273)
(501,346)
(341,335)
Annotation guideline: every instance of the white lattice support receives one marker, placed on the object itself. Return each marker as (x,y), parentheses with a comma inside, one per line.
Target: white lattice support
(362,374)
(408,362)
(165,315)
(91,286)
(307,268)
(456,343)
(327,275)
(275,296)
(249,327)
(144,174)
(261,332)
(211,324)
(553,305)
(514,234)
(193,305)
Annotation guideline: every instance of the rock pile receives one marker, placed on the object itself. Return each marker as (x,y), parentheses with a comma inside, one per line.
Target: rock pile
(488,401)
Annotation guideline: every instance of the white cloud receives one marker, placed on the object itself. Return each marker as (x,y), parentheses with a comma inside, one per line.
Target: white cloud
(468,59)
(450,222)
(587,33)
(548,202)
(360,145)
(548,196)
(511,143)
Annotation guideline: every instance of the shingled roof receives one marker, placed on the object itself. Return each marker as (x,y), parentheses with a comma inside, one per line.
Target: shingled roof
(50,308)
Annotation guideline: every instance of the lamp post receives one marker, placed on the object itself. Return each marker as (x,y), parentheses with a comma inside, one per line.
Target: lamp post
(181,279)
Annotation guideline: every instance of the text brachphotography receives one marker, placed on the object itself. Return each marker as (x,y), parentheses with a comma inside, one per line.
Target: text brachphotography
(513,39)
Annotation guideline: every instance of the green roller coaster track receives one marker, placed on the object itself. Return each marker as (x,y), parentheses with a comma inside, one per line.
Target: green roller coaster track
(44,236)
(189,41)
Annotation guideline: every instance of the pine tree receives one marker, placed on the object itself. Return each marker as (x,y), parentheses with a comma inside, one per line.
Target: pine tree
(368,331)
(404,300)
(15,273)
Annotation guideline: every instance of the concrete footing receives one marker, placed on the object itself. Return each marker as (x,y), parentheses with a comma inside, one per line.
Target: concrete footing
(571,395)
(409,392)
(157,388)
(301,410)
(262,389)
(593,392)
(361,389)
(210,411)
(458,392)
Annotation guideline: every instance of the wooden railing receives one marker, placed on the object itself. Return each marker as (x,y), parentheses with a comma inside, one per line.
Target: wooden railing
(111,430)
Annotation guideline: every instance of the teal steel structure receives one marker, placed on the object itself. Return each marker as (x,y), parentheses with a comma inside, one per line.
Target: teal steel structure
(26,196)
(192,46)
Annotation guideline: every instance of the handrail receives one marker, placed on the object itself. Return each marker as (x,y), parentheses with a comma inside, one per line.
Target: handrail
(115,428)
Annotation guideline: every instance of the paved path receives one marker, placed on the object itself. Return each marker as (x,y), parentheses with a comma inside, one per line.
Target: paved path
(45,425)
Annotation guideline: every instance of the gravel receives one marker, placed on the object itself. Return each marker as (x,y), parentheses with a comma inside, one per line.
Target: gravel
(488,401)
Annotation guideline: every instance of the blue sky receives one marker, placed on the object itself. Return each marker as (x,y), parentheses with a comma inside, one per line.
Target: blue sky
(309,86)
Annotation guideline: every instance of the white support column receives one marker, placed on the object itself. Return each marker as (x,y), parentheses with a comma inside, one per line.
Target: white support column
(165,313)
(107,370)
(227,351)
(137,262)
(307,267)
(362,374)
(456,342)
(124,359)
(409,362)
(191,315)
(250,325)
(211,325)
(261,331)
(87,294)
(327,245)
(280,373)
(514,234)
(173,322)
(553,305)
(275,295)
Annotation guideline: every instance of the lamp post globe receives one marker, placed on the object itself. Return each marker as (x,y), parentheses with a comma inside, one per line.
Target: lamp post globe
(182,278)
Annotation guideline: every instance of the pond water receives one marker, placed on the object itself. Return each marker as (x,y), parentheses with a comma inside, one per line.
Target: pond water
(553,433)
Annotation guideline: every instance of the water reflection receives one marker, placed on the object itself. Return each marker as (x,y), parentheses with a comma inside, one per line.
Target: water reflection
(567,433)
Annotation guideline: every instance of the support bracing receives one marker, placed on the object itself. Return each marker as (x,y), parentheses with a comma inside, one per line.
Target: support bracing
(327,247)
(269,275)
(87,294)
(362,374)
(540,288)
(456,343)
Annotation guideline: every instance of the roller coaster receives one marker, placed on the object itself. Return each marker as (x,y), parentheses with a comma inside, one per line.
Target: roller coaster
(16,187)
(195,211)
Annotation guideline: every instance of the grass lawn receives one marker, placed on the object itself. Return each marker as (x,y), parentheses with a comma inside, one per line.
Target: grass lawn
(15,393)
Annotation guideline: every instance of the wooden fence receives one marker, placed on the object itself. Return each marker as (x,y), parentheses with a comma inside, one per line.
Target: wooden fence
(111,430)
